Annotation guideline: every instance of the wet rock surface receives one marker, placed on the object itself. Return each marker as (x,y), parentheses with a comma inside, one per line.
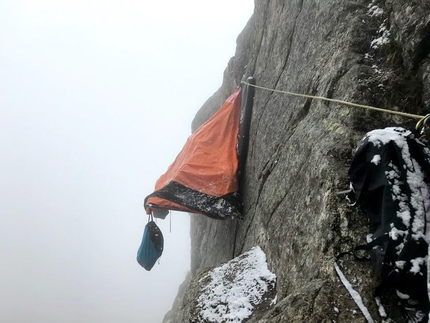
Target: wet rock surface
(300,148)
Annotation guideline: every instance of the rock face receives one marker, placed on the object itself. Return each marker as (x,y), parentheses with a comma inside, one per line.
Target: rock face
(374,53)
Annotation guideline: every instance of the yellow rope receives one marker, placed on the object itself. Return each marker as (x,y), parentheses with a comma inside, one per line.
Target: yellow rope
(404,114)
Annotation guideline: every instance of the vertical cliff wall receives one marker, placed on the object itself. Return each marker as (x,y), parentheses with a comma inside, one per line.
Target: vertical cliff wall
(374,53)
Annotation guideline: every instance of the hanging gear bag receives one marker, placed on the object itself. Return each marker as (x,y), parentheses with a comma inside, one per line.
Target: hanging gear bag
(152,245)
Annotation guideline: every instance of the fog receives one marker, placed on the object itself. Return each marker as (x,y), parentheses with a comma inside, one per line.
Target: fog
(96,100)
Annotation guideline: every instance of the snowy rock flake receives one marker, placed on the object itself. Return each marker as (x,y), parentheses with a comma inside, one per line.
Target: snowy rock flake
(384,38)
(374,10)
(235,288)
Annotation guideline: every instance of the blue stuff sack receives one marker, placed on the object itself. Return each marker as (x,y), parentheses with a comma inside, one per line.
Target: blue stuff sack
(151,247)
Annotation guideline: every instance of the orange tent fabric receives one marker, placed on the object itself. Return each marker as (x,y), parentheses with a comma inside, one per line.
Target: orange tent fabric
(206,167)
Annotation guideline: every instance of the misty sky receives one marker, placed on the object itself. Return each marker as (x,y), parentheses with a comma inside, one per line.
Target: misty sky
(96,100)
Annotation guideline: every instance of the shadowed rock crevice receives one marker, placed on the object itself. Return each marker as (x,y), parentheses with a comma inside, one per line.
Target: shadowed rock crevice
(291,39)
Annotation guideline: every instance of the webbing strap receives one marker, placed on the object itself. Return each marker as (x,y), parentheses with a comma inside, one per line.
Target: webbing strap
(364,247)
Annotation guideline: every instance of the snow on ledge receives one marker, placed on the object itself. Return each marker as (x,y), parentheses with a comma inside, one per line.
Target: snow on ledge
(235,288)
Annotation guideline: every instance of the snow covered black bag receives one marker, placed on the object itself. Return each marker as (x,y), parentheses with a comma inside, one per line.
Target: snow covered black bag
(389,178)
(151,247)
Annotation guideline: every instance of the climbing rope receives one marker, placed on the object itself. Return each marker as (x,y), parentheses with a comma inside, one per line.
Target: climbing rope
(368,107)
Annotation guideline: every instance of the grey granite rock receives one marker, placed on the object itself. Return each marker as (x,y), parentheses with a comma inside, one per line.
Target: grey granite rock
(300,148)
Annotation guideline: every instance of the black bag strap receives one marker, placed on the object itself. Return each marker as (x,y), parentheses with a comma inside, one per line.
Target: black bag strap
(364,247)
(386,282)
(358,199)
